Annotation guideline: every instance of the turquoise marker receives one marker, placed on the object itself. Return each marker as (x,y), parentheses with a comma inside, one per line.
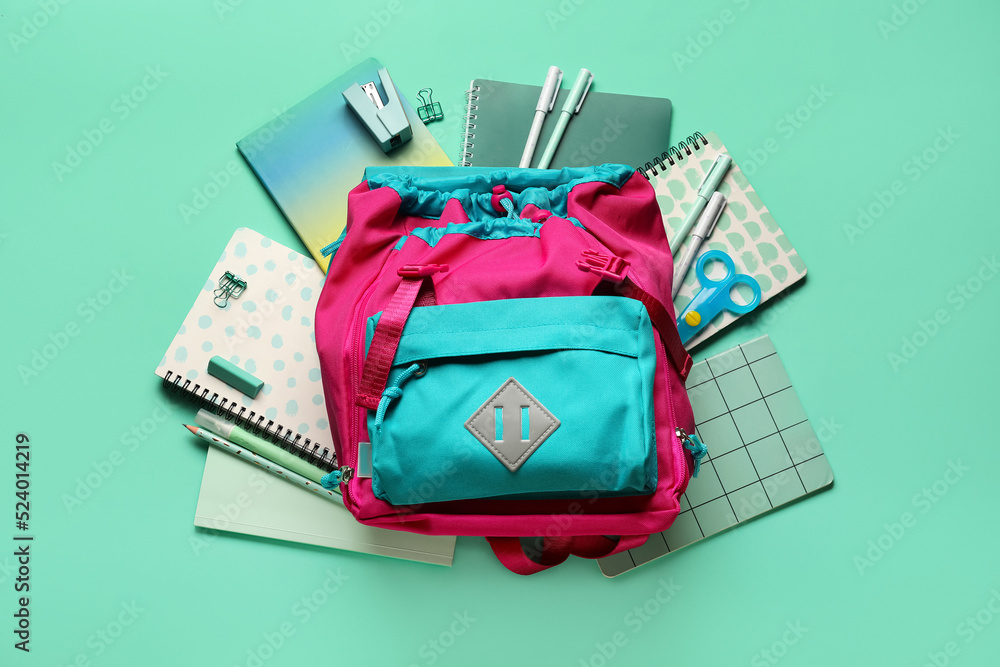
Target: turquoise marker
(270,466)
(708,185)
(573,104)
(230,431)
(706,223)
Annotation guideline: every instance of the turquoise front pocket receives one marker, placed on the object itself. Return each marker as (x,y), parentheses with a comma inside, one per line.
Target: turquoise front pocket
(518,398)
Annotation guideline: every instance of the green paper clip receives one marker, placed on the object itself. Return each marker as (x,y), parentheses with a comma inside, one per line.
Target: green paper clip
(230,286)
(429,110)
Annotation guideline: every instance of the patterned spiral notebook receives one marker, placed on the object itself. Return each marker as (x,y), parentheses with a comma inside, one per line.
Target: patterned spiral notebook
(746,231)
(267,331)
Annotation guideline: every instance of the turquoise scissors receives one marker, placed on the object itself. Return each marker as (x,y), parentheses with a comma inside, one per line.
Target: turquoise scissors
(715,296)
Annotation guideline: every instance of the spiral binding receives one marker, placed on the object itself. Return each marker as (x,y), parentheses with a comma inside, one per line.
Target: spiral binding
(253,422)
(674,154)
(469,127)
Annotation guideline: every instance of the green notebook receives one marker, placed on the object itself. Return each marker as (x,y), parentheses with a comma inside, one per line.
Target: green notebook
(620,129)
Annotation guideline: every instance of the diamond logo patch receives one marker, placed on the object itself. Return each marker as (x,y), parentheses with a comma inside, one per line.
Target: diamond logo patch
(512,424)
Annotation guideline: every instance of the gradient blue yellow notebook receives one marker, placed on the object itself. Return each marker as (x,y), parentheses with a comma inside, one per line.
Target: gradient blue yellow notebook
(312,155)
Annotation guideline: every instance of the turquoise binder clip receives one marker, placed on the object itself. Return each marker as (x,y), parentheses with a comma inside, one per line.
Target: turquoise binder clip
(385,119)
(429,110)
(230,286)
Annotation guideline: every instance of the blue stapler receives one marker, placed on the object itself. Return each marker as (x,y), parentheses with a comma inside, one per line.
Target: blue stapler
(385,119)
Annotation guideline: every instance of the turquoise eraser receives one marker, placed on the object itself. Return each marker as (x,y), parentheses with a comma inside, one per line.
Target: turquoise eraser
(234,376)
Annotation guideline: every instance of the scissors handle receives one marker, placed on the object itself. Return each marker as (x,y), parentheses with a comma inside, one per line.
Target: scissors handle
(719,256)
(715,296)
(743,279)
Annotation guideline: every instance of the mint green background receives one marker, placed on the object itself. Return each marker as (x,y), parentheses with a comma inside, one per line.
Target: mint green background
(896,430)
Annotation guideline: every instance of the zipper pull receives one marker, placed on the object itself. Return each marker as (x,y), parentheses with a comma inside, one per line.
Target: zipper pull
(694,445)
(332,480)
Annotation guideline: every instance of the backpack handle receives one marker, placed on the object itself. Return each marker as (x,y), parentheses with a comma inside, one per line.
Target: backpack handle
(554,550)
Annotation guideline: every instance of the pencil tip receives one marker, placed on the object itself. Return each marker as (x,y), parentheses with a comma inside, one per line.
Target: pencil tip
(193,429)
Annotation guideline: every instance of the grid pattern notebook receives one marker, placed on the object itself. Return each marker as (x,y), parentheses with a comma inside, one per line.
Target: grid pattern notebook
(746,231)
(762,451)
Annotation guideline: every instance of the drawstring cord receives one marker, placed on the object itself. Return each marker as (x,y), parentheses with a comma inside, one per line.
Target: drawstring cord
(698,451)
(393,392)
(330,480)
(509,207)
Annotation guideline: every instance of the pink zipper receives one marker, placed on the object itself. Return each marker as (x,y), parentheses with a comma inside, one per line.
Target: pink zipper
(357,416)
(678,445)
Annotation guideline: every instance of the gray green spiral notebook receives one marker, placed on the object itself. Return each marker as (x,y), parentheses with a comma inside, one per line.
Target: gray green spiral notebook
(621,129)
(763,453)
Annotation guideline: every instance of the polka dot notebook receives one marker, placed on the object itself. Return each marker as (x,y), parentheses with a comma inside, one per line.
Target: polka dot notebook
(268,331)
(746,230)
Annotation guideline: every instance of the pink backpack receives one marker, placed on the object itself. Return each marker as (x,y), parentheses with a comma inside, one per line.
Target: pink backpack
(500,358)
